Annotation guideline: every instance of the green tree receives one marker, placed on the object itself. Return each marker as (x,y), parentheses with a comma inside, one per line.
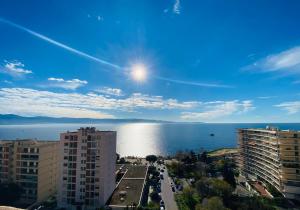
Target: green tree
(9,193)
(228,176)
(203,157)
(190,197)
(220,188)
(154,196)
(213,203)
(202,187)
(151,158)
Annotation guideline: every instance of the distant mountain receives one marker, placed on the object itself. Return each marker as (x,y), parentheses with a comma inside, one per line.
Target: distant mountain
(11,119)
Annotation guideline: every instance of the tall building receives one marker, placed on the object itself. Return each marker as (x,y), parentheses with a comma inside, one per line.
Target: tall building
(87,168)
(31,164)
(271,156)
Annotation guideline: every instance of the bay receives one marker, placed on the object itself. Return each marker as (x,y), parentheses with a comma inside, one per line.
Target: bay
(141,139)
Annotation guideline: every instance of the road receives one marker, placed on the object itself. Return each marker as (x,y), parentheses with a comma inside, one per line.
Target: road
(167,193)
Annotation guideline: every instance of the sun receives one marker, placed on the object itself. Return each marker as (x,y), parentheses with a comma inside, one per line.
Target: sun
(138,72)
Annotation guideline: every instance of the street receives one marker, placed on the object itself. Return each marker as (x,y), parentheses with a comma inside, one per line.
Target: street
(166,192)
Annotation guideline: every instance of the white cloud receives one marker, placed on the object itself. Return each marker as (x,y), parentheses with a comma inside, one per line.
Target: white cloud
(15,69)
(100,18)
(218,109)
(291,107)
(177,7)
(166,10)
(66,84)
(110,91)
(31,102)
(287,61)
(266,97)
(7,82)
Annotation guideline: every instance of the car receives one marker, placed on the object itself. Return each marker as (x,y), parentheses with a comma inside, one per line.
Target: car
(162,170)
(161,176)
(158,188)
(173,188)
(162,203)
(162,208)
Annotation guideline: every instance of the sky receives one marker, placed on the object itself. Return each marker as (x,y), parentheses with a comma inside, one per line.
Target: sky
(177,60)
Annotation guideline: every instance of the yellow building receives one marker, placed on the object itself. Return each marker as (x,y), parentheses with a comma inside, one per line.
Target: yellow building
(272,156)
(31,164)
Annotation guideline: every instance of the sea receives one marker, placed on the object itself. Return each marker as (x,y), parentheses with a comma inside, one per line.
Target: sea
(141,139)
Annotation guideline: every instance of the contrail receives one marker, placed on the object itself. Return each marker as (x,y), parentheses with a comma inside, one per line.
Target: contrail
(59,44)
(104,62)
(193,83)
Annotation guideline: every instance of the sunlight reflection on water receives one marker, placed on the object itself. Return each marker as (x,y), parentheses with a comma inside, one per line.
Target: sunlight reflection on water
(141,139)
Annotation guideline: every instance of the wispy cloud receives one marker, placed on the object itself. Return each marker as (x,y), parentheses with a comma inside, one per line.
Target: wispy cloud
(291,107)
(15,69)
(66,84)
(110,91)
(100,18)
(218,109)
(177,7)
(285,62)
(266,97)
(59,44)
(210,85)
(104,62)
(296,82)
(7,82)
(48,103)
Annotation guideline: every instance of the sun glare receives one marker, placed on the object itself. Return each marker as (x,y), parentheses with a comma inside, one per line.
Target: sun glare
(139,72)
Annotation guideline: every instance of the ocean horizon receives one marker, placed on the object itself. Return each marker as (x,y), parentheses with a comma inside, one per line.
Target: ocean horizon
(141,139)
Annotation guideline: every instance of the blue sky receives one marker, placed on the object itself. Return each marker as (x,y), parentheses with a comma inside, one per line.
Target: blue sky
(208,61)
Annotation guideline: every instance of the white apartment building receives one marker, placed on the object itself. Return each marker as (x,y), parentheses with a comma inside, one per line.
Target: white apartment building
(272,157)
(87,168)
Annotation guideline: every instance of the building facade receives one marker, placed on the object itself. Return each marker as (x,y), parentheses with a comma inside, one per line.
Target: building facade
(31,164)
(87,168)
(271,156)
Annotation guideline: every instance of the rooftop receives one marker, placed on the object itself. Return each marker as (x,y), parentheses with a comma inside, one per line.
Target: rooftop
(130,188)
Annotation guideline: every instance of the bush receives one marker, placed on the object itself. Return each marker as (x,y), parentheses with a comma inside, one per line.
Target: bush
(151,158)
(274,191)
(213,203)
(188,199)
(9,193)
(155,196)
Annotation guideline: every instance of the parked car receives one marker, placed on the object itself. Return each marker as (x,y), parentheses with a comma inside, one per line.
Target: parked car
(161,176)
(173,188)
(162,203)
